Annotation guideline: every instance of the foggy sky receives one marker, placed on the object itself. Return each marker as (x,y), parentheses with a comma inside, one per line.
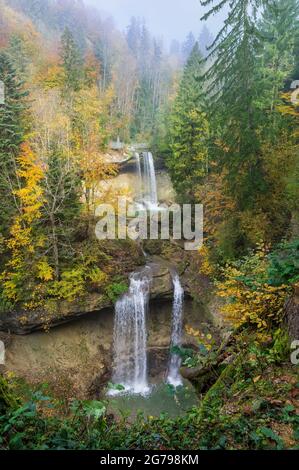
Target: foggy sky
(172,19)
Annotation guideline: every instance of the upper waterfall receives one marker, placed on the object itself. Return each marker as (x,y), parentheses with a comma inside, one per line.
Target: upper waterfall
(148,181)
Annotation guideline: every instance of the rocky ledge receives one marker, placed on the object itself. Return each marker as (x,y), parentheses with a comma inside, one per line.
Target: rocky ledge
(23,322)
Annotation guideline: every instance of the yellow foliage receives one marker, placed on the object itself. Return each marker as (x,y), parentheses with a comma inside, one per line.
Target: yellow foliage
(22,241)
(44,271)
(206,266)
(260,305)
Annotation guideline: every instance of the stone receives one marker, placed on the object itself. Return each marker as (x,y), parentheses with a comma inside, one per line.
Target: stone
(22,322)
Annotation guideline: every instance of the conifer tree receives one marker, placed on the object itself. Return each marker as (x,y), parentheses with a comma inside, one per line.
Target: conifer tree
(189,130)
(188,45)
(279,29)
(72,62)
(11,137)
(234,95)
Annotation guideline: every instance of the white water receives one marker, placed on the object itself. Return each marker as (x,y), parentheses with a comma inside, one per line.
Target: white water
(130,335)
(174,377)
(150,192)
(137,156)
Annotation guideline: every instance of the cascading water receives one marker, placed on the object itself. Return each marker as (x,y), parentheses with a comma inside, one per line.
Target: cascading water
(149,181)
(137,156)
(174,377)
(130,335)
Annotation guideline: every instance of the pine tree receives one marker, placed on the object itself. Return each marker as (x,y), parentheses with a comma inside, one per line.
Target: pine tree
(134,36)
(11,137)
(175,48)
(72,62)
(205,40)
(251,60)
(18,55)
(189,131)
(278,28)
(295,74)
(188,45)
(234,95)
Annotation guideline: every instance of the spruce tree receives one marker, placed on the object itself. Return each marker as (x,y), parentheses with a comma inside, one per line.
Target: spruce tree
(279,30)
(72,62)
(189,131)
(11,137)
(188,45)
(234,95)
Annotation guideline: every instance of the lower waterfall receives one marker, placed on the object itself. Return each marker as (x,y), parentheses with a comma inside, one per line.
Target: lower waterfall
(174,377)
(130,335)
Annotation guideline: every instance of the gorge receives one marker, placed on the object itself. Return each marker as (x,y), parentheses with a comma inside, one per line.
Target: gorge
(133,347)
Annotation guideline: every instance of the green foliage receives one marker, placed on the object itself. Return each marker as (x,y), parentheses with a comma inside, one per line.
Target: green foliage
(284,264)
(61,210)
(72,62)
(71,285)
(247,408)
(250,62)
(249,297)
(115,290)
(92,409)
(12,130)
(188,162)
(74,282)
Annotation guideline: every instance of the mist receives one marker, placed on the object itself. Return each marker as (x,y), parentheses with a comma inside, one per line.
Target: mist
(170,19)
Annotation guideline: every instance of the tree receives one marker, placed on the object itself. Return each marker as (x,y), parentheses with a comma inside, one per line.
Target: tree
(189,129)
(23,267)
(92,132)
(279,29)
(249,139)
(234,96)
(11,136)
(296,66)
(134,36)
(188,46)
(175,48)
(104,54)
(72,62)
(18,55)
(205,40)
(62,191)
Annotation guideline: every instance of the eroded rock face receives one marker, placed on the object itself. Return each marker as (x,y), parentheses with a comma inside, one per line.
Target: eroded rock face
(23,322)
(76,358)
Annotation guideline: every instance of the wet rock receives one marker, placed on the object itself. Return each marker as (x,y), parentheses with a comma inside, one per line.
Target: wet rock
(97,388)
(158,361)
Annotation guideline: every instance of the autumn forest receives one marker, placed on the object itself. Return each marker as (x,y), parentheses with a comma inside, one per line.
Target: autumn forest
(137,343)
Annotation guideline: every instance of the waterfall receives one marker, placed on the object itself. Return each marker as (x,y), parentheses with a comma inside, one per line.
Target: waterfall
(174,377)
(130,335)
(150,182)
(138,163)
